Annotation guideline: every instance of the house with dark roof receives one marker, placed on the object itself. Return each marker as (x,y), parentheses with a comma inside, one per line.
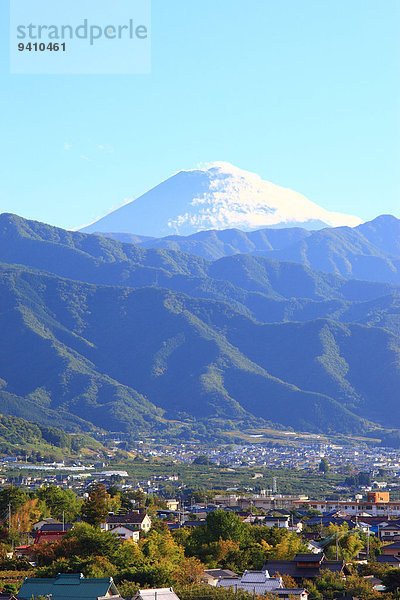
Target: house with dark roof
(69,587)
(56,527)
(390,531)
(392,561)
(211,576)
(47,521)
(260,582)
(126,532)
(305,566)
(137,520)
(391,549)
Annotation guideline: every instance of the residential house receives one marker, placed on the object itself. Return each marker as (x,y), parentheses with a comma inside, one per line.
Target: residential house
(69,587)
(44,537)
(391,549)
(156,594)
(260,582)
(126,532)
(306,566)
(137,520)
(39,524)
(55,527)
(390,531)
(211,576)
(391,561)
(257,582)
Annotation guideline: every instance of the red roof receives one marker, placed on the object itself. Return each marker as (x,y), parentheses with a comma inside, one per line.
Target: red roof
(49,536)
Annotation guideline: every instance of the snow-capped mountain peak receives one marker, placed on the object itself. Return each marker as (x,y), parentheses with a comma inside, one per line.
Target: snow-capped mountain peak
(216,196)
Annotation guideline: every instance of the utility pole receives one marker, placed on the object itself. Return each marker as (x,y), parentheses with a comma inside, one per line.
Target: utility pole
(367,544)
(337,546)
(63,521)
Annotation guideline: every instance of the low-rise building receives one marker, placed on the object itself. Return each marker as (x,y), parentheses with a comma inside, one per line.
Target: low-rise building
(137,520)
(126,532)
(156,594)
(69,587)
(260,582)
(305,566)
(211,576)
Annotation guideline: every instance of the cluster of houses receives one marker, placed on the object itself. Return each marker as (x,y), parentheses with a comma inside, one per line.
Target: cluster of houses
(76,586)
(270,579)
(126,527)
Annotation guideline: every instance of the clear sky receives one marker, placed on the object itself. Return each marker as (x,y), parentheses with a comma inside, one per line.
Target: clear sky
(306,93)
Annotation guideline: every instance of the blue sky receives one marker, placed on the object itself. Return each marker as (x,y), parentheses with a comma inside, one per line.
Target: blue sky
(304,92)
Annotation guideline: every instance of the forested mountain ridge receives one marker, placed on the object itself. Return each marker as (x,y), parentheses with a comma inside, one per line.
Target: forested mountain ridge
(100,334)
(126,359)
(265,289)
(368,251)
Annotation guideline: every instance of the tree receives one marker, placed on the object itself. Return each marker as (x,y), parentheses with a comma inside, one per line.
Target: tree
(202,459)
(13,496)
(60,502)
(26,515)
(188,572)
(95,508)
(224,525)
(323,465)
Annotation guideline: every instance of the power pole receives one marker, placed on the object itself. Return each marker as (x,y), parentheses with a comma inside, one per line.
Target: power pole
(337,546)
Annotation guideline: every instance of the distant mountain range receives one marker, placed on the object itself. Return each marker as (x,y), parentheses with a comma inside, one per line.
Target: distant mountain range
(369,251)
(219,196)
(98,333)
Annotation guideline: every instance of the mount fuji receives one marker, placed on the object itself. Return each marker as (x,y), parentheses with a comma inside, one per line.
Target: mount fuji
(219,196)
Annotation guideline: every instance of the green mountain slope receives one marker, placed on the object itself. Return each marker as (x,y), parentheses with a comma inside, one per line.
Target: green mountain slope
(370,251)
(127,359)
(265,289)
(21,436)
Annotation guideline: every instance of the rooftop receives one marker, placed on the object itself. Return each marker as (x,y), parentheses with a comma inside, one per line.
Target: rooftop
(69,587)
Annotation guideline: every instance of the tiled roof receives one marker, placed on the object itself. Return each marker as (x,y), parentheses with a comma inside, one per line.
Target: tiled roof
(128,518)
(220,573)
(68,587)
(393,546)
(309,557)
(56,527)
(49,536)
(388,558)
(258,582)
(156,594)
(289,567)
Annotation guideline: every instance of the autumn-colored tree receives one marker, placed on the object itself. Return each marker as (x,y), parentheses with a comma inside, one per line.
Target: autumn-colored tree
(288,581)
(26,515)
(161,546)
(287,548)
(188,572)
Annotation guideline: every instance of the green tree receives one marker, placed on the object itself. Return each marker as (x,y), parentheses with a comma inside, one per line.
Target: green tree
(323,465)
(224,525)
(13,496)
(59,502)
(95,508)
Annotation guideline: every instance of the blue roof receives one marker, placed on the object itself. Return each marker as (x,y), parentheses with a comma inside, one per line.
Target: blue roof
(67,587)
